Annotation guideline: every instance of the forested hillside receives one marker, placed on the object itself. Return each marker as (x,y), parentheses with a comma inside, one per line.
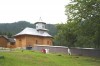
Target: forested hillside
(13,28)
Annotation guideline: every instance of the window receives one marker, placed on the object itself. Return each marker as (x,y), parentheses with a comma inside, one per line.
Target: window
(43,26)
(36,26)
(50,42)
(47,42)
(36,41)
(19,39)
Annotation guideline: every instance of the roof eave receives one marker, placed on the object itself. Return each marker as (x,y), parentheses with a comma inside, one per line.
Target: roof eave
(33,35)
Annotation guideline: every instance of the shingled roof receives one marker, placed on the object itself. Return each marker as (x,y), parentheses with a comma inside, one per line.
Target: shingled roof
(8,39)
(32,31)
(11,40)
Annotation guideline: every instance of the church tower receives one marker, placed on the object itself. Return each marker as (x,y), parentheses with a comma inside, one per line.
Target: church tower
(41,26)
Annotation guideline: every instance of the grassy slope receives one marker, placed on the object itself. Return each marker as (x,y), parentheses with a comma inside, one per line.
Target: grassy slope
(29,58)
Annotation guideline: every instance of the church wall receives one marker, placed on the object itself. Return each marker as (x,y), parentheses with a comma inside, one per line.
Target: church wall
(47,41)
(38,40)
(29,40)
(20,41)
(33,40)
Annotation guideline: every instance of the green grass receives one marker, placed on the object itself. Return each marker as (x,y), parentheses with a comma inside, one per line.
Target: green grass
(29,58)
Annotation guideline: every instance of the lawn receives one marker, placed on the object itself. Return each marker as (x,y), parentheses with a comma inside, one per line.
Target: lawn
(31,58)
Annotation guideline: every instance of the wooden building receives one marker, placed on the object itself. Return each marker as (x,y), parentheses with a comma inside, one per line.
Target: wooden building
(7,42)
(29,37)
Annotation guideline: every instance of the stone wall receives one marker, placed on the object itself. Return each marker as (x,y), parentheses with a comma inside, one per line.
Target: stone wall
(74,51)
(52,49)
(86,52)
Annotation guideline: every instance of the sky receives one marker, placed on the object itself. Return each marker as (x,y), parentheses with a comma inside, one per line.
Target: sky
(51,11)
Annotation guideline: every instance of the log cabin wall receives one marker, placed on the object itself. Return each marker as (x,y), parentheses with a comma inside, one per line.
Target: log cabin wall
(11,45)
(47,41)
(30,40)
(3,42)
(21,41)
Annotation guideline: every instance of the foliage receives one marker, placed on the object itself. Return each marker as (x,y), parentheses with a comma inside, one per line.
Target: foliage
(66,34)
(30,58)
(83,26)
